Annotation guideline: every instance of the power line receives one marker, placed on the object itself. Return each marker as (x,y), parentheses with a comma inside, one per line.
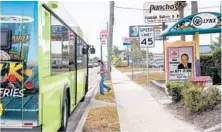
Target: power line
(132,8)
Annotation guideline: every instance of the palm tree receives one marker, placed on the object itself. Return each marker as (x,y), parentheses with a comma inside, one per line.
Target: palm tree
(116,51)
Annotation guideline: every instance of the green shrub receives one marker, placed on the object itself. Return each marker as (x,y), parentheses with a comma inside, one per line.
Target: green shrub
(217,59)
(197,100)
(207,61)
(175,89)
(192,99)
(212,97)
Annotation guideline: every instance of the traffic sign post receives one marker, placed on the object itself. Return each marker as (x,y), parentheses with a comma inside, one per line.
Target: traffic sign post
(103,40)
(146,35)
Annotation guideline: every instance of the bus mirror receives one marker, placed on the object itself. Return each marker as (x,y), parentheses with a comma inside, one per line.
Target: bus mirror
(53,4)
(92,50)
(84,51)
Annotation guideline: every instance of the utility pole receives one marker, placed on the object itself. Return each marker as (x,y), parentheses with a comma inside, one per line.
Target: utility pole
(110,38)
(181,5)
(107,29)
(164,38)
(194,9)
(107,26)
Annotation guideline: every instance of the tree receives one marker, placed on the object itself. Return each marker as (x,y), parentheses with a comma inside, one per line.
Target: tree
(116,51)
(216,44)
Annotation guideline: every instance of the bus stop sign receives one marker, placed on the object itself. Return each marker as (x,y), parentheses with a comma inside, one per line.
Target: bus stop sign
(103,34)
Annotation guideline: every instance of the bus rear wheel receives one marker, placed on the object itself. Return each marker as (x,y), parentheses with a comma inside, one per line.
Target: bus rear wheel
(64,116)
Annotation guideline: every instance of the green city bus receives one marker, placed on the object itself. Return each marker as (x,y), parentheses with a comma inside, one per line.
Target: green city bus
(44,69)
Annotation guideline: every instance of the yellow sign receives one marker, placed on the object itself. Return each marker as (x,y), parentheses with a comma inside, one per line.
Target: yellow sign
(115,58)
(1,109)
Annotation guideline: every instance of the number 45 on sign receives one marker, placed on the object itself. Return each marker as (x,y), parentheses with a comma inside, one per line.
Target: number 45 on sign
(146,37)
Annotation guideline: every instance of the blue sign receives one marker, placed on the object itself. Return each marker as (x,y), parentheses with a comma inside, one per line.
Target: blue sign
(134,31)
(126,44)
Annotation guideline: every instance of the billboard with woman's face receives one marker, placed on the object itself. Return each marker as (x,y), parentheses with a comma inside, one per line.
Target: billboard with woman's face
(180,63)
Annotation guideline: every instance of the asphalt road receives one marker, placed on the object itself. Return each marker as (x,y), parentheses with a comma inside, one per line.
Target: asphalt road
(80,109)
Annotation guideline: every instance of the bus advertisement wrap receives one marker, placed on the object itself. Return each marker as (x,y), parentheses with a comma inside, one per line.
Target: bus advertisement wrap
(19,70)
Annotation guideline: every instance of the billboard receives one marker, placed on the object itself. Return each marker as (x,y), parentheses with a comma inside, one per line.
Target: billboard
(157,12)
(180,62)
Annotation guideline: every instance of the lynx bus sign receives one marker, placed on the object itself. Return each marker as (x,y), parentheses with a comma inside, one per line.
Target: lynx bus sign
(204,20)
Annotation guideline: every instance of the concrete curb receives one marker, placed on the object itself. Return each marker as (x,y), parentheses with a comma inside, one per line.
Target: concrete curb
(160,86)
(216,128)
(84,116)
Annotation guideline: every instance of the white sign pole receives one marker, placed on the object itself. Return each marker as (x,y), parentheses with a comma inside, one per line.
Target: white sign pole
(147,54)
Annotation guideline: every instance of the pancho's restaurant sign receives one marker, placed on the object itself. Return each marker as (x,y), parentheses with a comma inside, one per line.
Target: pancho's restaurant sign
(157,12)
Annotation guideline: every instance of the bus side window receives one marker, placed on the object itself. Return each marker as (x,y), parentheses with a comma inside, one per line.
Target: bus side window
(59,47)
(71,51)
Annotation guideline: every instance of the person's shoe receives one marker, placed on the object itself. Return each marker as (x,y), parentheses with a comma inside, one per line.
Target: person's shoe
(108,89)
(101,93)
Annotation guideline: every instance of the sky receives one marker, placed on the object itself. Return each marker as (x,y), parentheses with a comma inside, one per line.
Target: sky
(92,17)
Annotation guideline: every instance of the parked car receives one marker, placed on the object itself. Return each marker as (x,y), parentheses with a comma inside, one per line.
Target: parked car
(95,65)
(90,65)
(158,65)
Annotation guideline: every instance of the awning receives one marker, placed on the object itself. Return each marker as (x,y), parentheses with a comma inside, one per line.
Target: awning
(203,23)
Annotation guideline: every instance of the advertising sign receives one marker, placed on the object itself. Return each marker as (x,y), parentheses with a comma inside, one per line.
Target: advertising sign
(164,11)
(157,29)
(146,37)
(180,63)
(19,78)
(126,41)
(204,20)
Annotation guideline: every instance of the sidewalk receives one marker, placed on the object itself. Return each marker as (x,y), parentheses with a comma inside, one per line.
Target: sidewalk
(139,112)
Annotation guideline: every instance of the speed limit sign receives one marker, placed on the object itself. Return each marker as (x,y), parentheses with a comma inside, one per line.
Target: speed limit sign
(146,35)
